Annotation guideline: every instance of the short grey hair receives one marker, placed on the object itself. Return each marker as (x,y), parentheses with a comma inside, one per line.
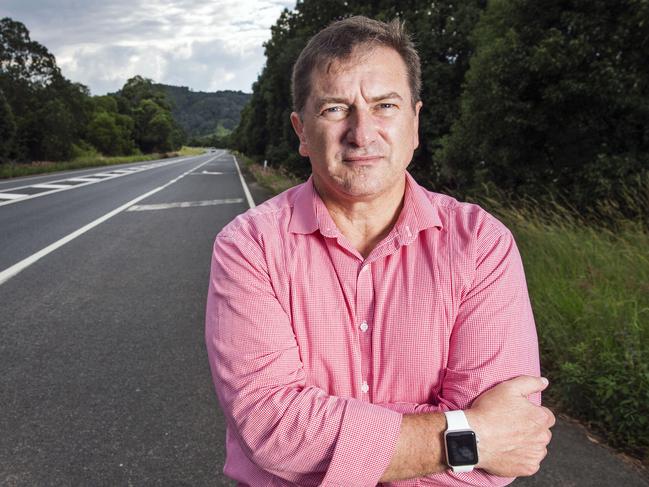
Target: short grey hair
(337,42)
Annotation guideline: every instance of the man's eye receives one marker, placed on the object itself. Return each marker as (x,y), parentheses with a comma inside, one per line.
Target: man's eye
(386,106)
(334,113)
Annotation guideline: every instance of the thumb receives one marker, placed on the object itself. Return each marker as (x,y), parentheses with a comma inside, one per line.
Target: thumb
(526,384)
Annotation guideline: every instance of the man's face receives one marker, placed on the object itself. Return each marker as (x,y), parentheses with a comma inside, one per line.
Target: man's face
(358,127)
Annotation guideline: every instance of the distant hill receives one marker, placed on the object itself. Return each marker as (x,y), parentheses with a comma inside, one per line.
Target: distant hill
(200,113)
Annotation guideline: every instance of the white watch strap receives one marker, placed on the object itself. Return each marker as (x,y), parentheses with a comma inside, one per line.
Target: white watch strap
(456,420)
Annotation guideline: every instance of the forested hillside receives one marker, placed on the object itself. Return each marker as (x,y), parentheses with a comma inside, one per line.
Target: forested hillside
(200,113)
(541,99)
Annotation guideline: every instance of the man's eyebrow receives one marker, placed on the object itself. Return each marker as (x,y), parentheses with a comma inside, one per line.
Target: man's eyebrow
(388,96)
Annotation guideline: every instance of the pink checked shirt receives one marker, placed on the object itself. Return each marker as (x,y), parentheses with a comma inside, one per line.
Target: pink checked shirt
(317,352)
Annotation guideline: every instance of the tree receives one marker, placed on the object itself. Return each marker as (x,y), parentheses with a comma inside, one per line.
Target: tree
(53,131)
(22,59)
(7,128)
(154,127)
(556,100)
(50,113)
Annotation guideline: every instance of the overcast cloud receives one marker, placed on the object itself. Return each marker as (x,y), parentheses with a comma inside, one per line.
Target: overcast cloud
(205,45)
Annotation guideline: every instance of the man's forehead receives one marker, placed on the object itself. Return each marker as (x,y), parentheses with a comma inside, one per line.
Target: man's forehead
(360,54)
(329,78)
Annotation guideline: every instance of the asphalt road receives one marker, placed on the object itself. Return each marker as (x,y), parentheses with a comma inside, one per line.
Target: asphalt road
(105,380)
(104,377)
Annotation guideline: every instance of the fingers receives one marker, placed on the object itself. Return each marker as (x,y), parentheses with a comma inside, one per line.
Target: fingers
(551,419)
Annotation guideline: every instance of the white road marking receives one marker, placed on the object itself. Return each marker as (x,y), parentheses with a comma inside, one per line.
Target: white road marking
(185,204)
(216,173)
(83,180)
(10,272)
(50,186)
(11,196)
(251,203)
(89,180)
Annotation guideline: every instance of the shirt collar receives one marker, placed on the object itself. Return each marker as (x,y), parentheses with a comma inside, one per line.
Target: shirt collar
(310,213)
(303,218)
(418,212)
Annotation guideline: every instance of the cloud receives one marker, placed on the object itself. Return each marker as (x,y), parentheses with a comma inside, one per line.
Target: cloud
(203,45)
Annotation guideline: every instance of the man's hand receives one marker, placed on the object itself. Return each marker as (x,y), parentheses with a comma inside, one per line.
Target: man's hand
(513,432)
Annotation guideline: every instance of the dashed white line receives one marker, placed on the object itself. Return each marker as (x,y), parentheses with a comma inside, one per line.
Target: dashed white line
(11,196)
(50,186)
(80,181)
(10,272)
(83,180)
(185,204)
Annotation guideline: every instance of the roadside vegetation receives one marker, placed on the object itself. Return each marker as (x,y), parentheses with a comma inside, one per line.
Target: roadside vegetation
(274,180)
(589,287)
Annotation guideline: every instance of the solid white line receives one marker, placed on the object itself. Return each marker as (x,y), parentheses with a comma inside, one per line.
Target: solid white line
(10,272)
(251,203)
(50,186)
(11,196)
(185,204)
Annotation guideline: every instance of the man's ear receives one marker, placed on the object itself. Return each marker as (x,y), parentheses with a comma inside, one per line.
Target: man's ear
(298,126)
(416,121)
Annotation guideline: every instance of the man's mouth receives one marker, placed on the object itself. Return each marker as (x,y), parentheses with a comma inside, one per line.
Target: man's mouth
(361,159)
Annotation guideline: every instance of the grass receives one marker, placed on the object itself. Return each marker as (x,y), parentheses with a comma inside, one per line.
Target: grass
(589,287)
(87,160)
(275,180)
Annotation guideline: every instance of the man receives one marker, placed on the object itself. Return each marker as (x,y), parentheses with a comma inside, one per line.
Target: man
(358,325)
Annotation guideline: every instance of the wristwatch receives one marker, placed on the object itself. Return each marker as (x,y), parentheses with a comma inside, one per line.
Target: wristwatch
(461,442)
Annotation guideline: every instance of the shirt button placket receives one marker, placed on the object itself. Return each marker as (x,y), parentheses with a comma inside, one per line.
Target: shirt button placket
(364,315)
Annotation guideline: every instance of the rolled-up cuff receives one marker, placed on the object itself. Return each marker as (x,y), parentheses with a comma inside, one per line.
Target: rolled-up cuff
(367,440)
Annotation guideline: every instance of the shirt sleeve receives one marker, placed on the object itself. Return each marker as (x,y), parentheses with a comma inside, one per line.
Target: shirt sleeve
(493,339)
(295,432)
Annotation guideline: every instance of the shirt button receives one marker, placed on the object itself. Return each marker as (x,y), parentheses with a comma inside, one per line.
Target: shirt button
(364,268)
(365,388)
(364,326)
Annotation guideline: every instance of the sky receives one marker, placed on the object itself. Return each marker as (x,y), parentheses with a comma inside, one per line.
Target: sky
(204,45)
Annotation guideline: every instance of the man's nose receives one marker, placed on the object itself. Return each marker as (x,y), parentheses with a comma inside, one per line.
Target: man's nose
(361,130)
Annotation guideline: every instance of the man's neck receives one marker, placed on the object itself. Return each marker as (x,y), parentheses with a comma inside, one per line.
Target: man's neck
(365,223)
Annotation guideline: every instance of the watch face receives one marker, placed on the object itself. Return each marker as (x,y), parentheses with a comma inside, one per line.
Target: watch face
(461,448)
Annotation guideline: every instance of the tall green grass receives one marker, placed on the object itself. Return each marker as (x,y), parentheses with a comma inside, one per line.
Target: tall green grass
(589,286)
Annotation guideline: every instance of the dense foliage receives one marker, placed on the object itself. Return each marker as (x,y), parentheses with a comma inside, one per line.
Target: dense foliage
(44,116)
(538,98)
(200,113)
